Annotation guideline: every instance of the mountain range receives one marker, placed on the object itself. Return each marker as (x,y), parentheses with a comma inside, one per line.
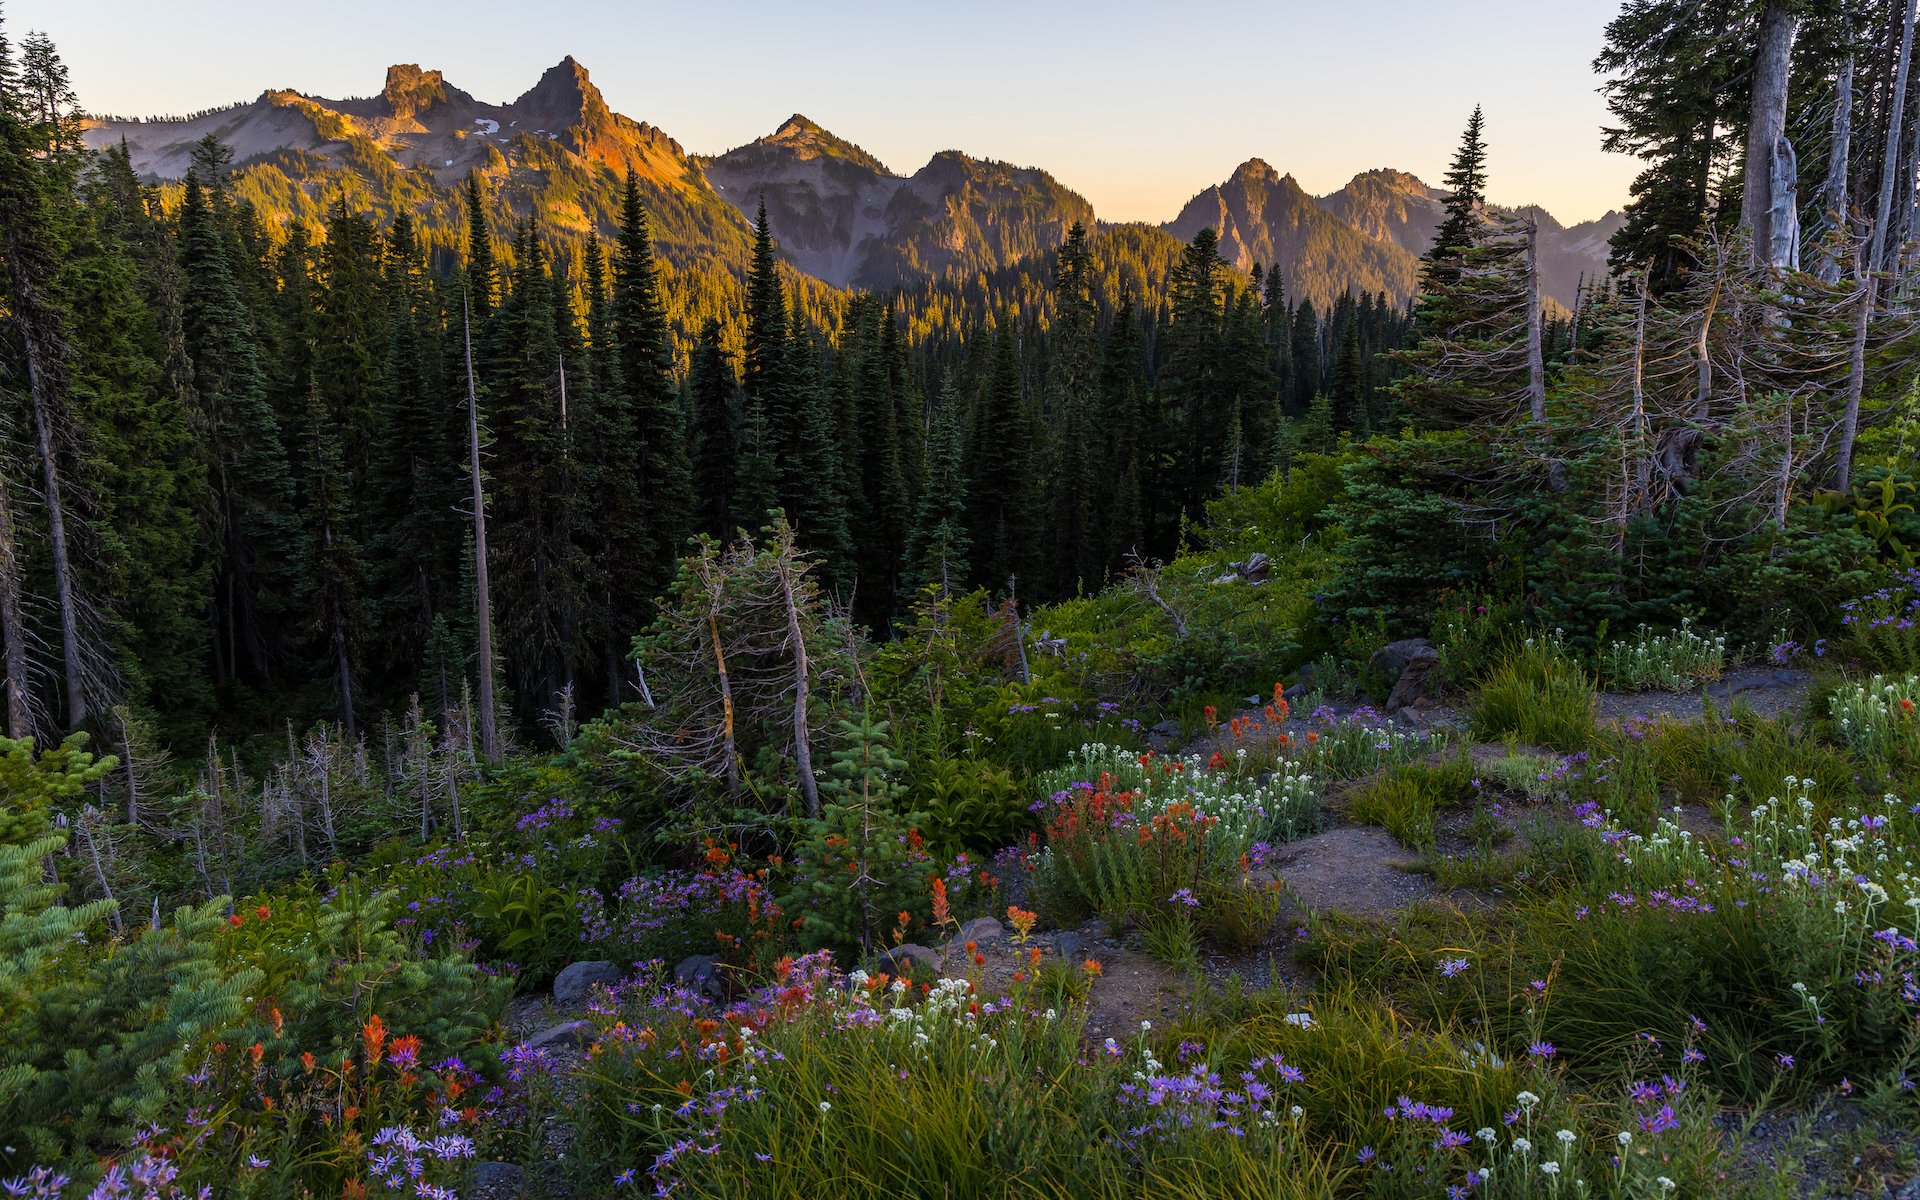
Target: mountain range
(838,213)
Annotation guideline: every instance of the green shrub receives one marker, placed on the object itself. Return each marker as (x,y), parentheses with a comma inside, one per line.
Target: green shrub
(1470,633)
(1537,694)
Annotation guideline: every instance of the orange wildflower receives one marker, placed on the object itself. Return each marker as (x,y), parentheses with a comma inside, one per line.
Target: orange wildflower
(942,916)
(374,1035)
(1091,966)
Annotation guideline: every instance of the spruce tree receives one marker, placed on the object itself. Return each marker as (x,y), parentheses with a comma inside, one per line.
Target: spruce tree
(658,459)
(1074,548)
(1466,201)
(254,523)
(483,275)
(938,549)
(1000,477)
(1198,411)
(713,403)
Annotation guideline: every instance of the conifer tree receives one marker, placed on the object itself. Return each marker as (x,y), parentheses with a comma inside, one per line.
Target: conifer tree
(253,488)
(716,435)
(1466,181)
(658,454)
(1074,548)
(1000,473)
(938,549)
(1197,414)
(1305,356)
(879,504)
(483,275)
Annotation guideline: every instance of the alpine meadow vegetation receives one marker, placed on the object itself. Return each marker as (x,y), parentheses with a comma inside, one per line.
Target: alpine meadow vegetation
(493,710)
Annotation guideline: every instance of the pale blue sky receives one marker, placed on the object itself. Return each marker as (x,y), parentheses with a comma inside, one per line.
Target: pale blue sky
(1137,105)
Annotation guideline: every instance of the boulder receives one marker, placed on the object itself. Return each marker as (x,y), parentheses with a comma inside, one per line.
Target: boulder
(1394,657)
(1069,946)
(1164,736)
(902,959)
(574,986)
(1302,684)
(981,930)
(1419,682)
(700,973)
(563,1036)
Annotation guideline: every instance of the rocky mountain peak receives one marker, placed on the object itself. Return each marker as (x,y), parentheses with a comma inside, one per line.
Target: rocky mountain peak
(564,97)
(410,90)
(806,139)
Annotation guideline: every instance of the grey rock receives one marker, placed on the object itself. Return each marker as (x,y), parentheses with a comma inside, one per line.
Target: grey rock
(1419,681)
(559,1037)
(1069,946)
(902,959)
(1255,569)
(499,1179)
(981,930)
(1394,657)
(573,986)
(700,973)
(1164,736)
(1302,683)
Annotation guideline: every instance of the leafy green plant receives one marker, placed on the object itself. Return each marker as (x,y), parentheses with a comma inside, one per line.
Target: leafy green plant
(971,804)
(1675,661)
(1878,718)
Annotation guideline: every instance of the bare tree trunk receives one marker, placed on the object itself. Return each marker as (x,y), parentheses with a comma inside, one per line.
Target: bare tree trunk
(802,733)
(640,676)
(131,763)
(1839,158)
(13,625)
(482,603)
(1536,354)
(1783,483)
(37,385)
(1772,65)
(1890,163)
(726,699)
(1019,635)
(86,822)
(1856,385)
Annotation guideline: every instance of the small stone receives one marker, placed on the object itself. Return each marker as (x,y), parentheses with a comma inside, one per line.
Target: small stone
(498,1180)
(700,973)
(902,959)
(560,1037)
(981,930)
(574,986)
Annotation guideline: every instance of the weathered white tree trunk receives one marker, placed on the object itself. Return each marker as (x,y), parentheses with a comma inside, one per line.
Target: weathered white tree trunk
(1536,353)
(1890,171)
(482,602)
(802,732)
(1856,385)
(1833,196)
(13,626)
(1772,66)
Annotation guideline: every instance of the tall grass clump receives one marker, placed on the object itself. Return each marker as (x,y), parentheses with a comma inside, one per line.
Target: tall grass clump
(1673,661)
(1537,694)
(1405,799)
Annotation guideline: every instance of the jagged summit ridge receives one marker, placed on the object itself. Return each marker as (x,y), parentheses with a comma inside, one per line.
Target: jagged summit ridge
(838,212)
